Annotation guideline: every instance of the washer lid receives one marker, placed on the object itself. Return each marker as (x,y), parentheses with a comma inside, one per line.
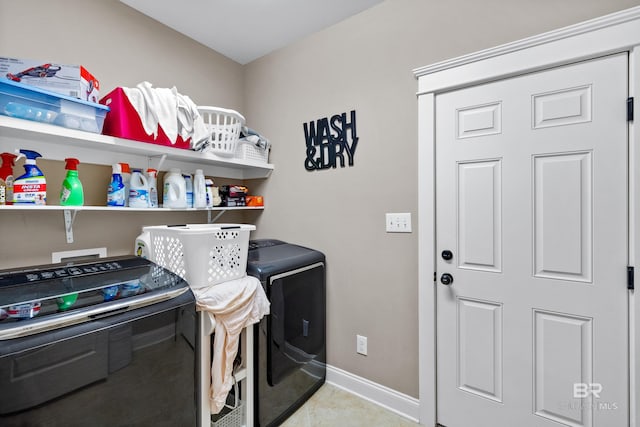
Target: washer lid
(266,261)
(53,296)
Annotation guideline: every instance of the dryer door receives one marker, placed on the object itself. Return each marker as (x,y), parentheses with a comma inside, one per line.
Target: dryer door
(296,325)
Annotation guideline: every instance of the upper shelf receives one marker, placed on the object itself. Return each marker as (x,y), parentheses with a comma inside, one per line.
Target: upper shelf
(32,207)
(57,143)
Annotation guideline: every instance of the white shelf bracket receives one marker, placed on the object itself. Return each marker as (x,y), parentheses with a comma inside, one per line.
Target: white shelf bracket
(69,218)
(211,221)
(162,157)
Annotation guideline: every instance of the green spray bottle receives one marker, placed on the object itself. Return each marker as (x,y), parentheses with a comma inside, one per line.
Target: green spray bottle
(71,193)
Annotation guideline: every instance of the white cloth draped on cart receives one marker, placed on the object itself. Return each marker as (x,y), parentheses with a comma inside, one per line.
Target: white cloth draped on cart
(233,305)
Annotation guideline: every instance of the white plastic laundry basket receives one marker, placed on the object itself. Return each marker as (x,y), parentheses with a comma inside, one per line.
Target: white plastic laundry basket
(248,151)
(232,415)
(202,254)
(224,129)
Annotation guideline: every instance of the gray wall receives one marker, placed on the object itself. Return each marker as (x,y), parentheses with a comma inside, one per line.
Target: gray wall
(121,47)
(362,64)
(365,63)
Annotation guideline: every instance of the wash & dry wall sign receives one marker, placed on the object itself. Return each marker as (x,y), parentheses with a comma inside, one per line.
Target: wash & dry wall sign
(331,141)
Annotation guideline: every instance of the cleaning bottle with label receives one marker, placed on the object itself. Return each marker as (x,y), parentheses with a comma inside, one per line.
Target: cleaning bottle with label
(6,178)
(188,182)
(142,246)
(72,193)
(115,191)
(175,190)
(199,190)
(125,172)
(152,179)
(31,187)
(209,192)
(138,190)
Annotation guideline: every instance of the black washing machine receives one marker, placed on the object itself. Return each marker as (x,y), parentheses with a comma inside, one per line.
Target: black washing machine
(290,343)
(110,342)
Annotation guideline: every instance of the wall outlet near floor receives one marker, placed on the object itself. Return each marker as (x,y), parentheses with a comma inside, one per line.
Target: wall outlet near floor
(398,222)
(361,345)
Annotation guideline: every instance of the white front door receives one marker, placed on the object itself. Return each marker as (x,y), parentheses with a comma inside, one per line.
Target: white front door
(531,205)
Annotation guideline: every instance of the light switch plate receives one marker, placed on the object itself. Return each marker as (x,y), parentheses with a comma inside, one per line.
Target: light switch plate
(398,222)
(361,345)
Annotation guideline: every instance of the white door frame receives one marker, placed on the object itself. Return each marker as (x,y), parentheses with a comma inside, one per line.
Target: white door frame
(617,32)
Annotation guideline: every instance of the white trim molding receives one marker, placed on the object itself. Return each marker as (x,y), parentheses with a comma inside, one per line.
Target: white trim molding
(402,404)
(614,33)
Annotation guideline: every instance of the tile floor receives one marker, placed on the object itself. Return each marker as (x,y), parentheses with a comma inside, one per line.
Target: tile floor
(331,406)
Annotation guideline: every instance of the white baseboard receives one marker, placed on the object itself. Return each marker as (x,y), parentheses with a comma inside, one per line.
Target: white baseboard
(400,403)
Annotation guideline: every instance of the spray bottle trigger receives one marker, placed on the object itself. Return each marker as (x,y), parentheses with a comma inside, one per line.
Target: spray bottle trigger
(71,163)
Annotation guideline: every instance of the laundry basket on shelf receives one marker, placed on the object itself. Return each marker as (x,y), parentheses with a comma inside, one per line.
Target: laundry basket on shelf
(232,414)
(224,127)
(202,254)
(246,150)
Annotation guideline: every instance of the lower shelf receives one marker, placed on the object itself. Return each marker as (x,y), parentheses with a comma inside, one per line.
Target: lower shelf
(70,212)
(27,207)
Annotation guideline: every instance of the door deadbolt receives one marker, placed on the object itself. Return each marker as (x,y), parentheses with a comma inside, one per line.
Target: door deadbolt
(446,279)
(447,255)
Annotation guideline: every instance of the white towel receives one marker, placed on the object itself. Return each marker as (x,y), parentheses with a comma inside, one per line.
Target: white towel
(137,101)
(233,305)
(175,113)
(191,123)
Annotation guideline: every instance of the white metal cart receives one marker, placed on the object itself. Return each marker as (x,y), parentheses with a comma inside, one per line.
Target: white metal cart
(242,415)
(206,255)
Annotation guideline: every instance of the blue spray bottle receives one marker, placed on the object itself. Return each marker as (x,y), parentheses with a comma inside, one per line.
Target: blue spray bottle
(31,187)
(116,190)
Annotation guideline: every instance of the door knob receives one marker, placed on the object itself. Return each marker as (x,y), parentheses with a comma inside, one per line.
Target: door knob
(447,255)
(446,279)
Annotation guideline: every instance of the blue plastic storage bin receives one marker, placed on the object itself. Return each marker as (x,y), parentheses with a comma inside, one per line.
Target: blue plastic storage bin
(31,103)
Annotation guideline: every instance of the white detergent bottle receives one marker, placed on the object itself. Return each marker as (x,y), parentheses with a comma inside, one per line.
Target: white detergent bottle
(138,190)
(142,246)
(199,190)
(152,179)
(209,192)
(126,180)
(175,190)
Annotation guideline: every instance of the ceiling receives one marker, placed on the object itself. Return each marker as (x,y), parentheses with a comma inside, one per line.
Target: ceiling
(244,30)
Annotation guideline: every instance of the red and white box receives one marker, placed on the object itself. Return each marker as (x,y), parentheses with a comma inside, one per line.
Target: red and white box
(123,121)
(70,80)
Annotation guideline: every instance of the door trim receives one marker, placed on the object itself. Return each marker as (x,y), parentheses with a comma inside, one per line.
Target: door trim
(617,32)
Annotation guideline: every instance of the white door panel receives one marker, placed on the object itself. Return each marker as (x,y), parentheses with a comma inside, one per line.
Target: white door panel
(563,356)
(480,348)
(531,199)
(563,231)
(479,207)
